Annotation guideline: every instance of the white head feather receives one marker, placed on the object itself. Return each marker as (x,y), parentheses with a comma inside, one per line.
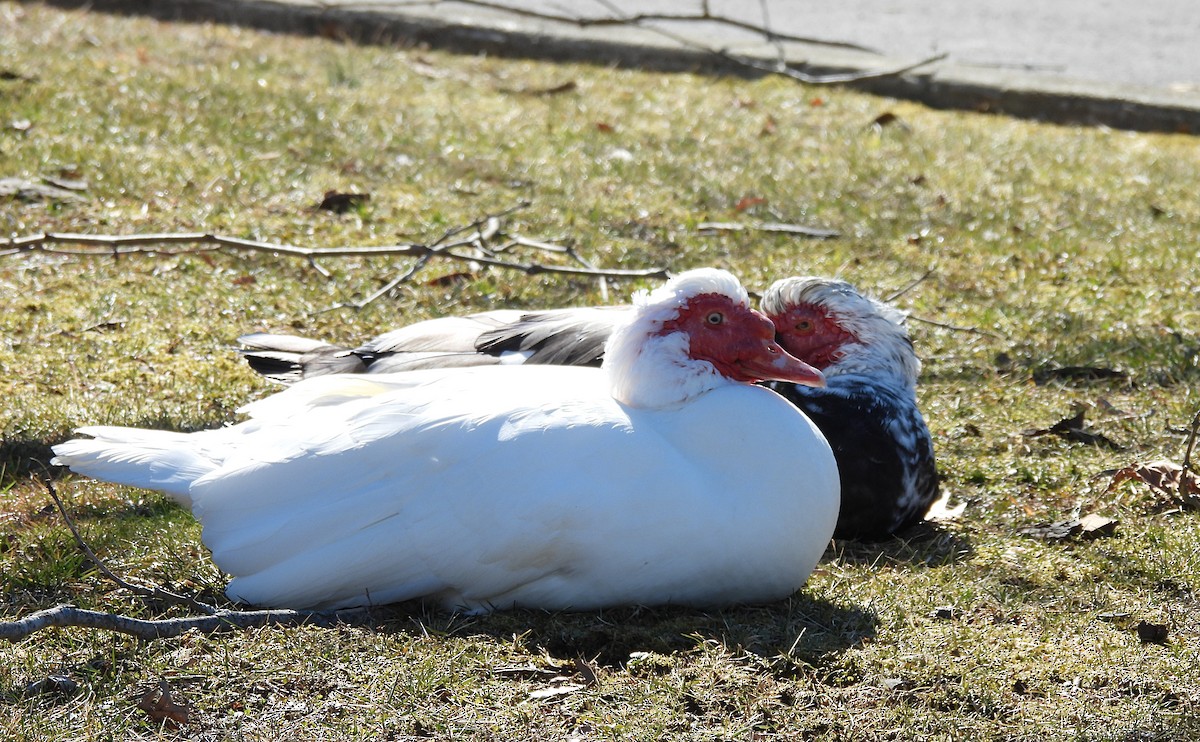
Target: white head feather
(883,345)
(646,369)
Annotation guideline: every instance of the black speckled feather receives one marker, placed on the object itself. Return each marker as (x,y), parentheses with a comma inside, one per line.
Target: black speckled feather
(883,449)
(556,338)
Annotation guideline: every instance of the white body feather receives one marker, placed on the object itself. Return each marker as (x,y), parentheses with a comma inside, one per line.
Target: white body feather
(493,487)
(348,490)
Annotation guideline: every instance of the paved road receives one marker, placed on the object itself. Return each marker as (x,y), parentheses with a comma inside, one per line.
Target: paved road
(1128,63)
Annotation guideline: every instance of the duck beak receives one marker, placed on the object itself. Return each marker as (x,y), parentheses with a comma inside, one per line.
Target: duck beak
(768,361)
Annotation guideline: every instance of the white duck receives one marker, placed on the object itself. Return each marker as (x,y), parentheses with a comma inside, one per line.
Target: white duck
(663,478)
(867,410)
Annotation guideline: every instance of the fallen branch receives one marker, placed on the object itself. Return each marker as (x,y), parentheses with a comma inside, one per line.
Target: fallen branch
(467,243)
(68,616)
(216,620)
(796,229)
(155,593)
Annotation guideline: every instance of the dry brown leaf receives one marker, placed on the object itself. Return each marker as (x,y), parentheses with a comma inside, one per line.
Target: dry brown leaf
(1152,633)
(587,671)
(749,201)
(1072,428)
(340,203)
(161,706)
(1163,477)
(1088,527)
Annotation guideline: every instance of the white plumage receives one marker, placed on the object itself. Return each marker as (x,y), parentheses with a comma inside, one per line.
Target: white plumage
(497,486)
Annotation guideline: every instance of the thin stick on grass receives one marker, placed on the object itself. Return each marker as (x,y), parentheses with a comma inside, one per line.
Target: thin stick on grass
(1186,466)
(955,328)
(446,246)
(155,593)
(215,621)
(69,616)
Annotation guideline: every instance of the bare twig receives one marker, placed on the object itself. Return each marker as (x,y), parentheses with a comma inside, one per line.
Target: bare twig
(796,229)
(956,328)
(834,79)
(1187,458)
(155,593)
(448,246)
(404,277)
(222,620)
(215,620)
(908,287)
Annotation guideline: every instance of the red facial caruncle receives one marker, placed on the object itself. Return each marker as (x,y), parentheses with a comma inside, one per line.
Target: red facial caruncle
(811,334)
(738,341)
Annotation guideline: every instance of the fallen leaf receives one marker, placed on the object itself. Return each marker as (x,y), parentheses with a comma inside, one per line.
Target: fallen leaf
(1076,373)
(560,88)
(451,279)
(885,118)
(1164,477)
(1072,429)
(1152,633)
(606,128)
(245,280)
(769,127)
(558,690)
(1097,525)
(816,102)
(587,671)
(749,201)
(340,203)
(1088,527)
(161,707)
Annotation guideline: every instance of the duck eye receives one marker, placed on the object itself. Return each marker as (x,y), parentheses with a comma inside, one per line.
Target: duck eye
(715,318)
(804,325)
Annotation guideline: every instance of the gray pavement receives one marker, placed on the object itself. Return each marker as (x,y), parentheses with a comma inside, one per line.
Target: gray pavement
(1110,62)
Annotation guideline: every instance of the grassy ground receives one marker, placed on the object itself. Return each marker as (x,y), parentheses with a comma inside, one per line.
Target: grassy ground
(1063,246)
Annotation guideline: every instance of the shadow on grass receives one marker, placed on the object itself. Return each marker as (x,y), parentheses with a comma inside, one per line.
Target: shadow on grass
(799,630)
(20,458)
(926,544)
